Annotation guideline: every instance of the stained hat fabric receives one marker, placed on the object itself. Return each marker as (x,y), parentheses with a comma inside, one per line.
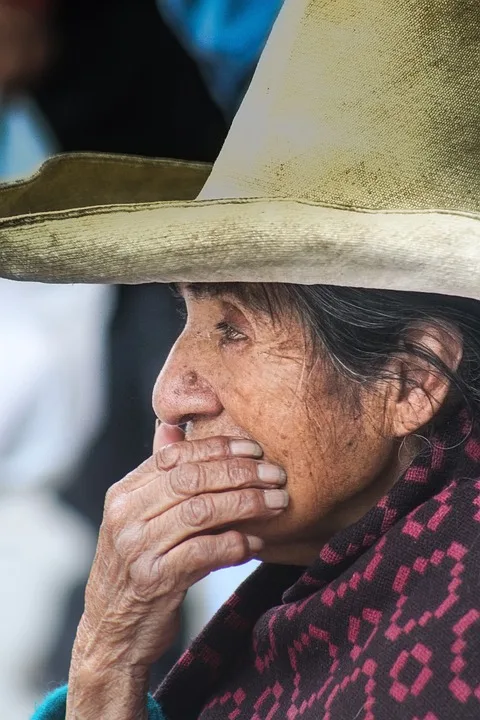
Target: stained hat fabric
(353,160)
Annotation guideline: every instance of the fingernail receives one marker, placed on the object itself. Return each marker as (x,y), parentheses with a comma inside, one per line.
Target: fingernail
(271,473)
(246,448)
(276,499)
(255,544)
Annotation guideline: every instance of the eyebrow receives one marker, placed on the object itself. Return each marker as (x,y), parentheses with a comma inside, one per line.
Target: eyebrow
(200,291)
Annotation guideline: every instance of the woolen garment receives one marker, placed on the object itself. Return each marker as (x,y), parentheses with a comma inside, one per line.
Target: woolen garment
(384,625)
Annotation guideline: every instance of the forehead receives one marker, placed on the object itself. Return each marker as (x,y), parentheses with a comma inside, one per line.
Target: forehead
(269,298)
(201,291)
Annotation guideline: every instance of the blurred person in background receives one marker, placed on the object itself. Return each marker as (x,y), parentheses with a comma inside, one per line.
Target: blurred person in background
(51,394)
(120,81)
(24,42)
(25,139)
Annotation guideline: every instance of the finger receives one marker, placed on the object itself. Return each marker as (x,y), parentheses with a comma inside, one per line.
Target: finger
(176,571)
(166,435)
(169,456)
(205,450)
(192,451)
(191,479)
(204,513)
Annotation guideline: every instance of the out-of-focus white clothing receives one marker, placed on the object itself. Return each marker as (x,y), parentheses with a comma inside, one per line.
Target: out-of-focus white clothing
(45,548)
(52,377)
(52,341)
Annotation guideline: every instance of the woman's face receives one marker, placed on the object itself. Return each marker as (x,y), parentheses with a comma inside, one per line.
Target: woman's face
(237,372)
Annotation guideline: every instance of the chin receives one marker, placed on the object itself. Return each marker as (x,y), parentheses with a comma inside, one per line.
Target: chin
(285,543)
(271,530)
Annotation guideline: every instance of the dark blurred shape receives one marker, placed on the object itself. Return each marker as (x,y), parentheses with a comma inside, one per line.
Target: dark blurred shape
(24,43)
(120,82)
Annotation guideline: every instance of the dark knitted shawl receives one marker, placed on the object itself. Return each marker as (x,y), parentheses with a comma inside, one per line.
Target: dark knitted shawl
(385,624)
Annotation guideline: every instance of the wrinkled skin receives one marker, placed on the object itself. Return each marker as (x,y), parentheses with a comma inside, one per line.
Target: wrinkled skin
(316,461)
(254,379)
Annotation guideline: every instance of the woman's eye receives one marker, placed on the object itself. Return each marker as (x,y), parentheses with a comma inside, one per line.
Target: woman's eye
(229,333)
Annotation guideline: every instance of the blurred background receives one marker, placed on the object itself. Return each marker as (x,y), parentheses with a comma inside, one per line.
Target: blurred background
(149,77)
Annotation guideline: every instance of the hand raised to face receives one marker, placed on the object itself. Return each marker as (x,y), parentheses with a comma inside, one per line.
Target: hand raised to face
(166,526)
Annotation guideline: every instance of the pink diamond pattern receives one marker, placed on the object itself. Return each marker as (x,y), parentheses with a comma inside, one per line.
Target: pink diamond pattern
(384,625)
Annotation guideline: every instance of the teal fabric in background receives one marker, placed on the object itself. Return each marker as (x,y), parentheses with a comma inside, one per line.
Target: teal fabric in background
(225,37)
(25,142)
(54,706)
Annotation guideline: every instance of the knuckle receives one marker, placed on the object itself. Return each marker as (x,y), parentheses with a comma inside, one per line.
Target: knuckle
(112,492)
(247,503)
(198,553)
(148,576)
(168,456)
(197,511)
(140,571)
(115,509)
(187,480)
(210,448)
(216,447)
(213,448)
(213,552)
(231,545)
(200,559)
(166,574)
(239,472)
(127,543)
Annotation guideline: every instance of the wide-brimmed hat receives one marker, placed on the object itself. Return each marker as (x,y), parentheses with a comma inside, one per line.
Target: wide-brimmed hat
(353,160)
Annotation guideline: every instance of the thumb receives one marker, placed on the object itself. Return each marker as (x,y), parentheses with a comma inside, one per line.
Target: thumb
(167,434)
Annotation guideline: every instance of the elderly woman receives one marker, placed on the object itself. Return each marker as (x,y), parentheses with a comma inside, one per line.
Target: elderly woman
(320,410)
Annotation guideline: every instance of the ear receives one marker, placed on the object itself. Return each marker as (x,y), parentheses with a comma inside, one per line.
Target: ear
(416,398)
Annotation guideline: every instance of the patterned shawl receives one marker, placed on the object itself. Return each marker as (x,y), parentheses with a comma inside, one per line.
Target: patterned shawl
(385,624)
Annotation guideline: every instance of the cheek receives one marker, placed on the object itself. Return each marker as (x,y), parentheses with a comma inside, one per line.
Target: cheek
(340,455)
(262,397)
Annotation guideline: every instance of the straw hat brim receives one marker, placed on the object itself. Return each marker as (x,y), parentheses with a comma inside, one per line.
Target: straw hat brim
(249,240)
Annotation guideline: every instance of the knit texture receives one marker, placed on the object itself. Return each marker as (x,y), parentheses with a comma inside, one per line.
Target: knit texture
(54,707)
(385,625)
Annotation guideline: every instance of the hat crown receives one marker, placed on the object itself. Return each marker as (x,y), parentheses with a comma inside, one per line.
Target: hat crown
(362,103)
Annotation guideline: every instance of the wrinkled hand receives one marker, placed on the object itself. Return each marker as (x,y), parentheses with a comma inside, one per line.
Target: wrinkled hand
(165,527)
(23,46)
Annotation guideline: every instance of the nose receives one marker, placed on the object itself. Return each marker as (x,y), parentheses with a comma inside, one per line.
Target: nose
(183,391)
